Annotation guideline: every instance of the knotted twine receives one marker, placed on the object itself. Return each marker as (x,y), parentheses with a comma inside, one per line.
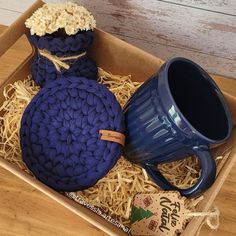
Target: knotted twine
(59,134)
(58,62)
(212,218)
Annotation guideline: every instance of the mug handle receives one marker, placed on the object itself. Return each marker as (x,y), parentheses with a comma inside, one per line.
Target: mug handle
(207,178)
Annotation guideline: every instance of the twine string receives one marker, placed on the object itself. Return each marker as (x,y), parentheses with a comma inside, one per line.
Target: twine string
(212,219)
(59,62)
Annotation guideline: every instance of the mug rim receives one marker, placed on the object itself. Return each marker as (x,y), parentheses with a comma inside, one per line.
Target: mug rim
(219,93)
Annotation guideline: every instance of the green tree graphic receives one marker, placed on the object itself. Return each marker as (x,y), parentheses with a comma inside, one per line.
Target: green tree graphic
(138,213)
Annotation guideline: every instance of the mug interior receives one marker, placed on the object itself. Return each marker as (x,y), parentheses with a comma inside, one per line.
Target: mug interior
(198,99)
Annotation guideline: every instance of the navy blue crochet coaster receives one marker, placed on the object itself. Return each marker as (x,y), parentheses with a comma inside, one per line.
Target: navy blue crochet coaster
(59,133)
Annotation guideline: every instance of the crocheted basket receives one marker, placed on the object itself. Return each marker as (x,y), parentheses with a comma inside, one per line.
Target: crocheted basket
(59,134)
(44,71)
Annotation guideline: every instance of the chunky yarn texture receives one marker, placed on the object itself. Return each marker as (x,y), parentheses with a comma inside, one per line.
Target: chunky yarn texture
(44,71)
(59,133)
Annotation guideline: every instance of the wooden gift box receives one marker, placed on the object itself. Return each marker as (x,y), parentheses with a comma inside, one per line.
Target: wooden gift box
(118,57)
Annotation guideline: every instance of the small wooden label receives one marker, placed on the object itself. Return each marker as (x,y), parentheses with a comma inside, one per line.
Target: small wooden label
(113,136)
(159,214)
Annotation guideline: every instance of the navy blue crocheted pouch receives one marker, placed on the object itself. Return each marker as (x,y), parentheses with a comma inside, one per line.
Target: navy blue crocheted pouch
(59,134)
(44,71)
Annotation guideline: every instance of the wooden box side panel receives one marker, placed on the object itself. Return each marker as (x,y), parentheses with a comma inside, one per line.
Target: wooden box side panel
(119,57)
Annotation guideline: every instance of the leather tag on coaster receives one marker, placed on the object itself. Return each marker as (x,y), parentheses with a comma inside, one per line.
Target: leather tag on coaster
(160,214)
(113,136)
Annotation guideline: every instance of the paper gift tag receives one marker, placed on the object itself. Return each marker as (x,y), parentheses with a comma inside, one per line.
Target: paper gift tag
(160,214)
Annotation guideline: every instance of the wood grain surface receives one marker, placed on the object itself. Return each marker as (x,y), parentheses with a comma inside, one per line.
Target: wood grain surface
(25,211)
(172,28)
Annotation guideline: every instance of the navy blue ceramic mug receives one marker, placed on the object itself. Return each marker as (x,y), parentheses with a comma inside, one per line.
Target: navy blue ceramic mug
(178,112)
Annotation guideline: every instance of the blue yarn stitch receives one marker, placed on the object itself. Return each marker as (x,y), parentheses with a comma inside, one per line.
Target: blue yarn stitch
(43,70)
(59,133)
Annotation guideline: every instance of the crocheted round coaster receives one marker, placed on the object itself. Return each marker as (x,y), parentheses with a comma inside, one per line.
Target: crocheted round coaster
(59,133)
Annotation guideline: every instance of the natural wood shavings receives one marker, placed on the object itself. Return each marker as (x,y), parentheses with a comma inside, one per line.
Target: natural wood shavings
(121,86)
(17,96)
(114,192)
(183,173)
